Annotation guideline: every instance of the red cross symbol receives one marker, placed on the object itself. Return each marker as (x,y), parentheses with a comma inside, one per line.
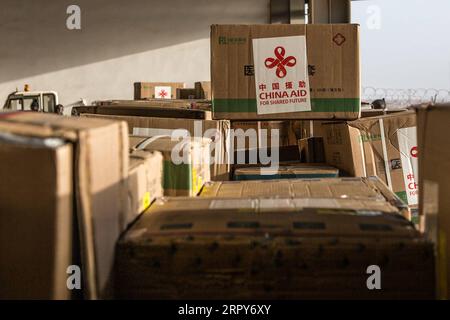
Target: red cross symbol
(280,62)
(162,93)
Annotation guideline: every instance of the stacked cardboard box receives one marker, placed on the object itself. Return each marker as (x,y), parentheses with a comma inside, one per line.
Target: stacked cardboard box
(185,175)
(383,146)
(144,110)
(168,103)
(62,203)
(342,146)
(434,167)
(159,90)
(259,134)
(311,150)
(390,152)
(145,177)
(247,248)
(299,171)
(323,193)
(217,130)
(186,93)
(334,78)
(203,90)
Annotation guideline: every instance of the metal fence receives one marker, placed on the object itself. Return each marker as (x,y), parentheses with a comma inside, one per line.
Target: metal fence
(405,97)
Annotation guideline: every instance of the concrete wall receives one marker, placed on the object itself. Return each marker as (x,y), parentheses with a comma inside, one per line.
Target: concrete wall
(120,42)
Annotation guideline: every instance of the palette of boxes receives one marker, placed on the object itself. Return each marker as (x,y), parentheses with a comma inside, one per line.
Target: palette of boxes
(190,193)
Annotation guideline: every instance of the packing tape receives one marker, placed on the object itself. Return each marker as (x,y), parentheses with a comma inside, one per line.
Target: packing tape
(363,154)
(385,155)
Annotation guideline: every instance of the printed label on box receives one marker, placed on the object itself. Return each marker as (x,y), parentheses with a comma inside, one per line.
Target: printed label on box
(281,75)
(407,141)
(163,92)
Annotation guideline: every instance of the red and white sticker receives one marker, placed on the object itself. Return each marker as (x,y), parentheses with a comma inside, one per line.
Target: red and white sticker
(163,92)
(407,141)
(281,75)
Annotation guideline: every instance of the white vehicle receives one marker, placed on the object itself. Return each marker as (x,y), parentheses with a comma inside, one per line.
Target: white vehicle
(43,101)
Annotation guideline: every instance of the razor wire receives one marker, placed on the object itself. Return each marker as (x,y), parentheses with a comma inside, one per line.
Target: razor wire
(405,97)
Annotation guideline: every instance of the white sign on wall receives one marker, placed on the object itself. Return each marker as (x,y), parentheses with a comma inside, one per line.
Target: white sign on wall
(281,75)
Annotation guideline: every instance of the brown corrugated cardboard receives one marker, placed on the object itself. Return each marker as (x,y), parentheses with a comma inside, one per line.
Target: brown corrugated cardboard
(143,111)
(186,93)
(36,217)
(346,190)
(152,90)
(291,171)
(391,154)
(343,149)
(217,130)
(334,77)
(265,156)
(434,168)
(168,103)
(258,134)
(145,177)
(99,185)
(253,248)
(203,90)
(186,163)
(311,150)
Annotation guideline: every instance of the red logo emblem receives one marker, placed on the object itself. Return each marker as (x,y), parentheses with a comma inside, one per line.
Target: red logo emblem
(280,62)
(162,93)
(339,39)
(414,152)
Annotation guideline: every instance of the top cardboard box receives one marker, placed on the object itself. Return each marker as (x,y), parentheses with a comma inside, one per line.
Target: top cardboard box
(159,90)
(333,64)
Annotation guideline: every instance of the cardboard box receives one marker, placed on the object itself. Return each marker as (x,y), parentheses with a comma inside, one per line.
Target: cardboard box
(200,104)
(81,189)
(265,156)
(217,130)
(434,168)
(311,150)
(348,191)
(158,90)
(293,171)
(186,93)
(259,134)
(36,217)
(334,77)
(343,150)
(185,175)
(244,248)
(145,177)
(203,90)
(391,154)
(142,110)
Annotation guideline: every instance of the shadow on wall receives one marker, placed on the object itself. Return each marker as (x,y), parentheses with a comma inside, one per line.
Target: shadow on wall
(35,39)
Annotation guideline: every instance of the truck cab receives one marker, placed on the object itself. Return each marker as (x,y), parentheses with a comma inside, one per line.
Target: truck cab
(43,101)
